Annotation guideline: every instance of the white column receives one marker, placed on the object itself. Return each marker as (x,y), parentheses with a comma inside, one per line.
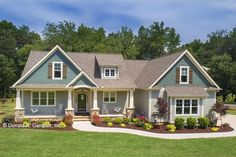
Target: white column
(171,113)
(95,101)
(18,101)
(69,103)
(131,99)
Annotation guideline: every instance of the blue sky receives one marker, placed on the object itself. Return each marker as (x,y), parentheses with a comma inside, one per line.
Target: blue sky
(191,18)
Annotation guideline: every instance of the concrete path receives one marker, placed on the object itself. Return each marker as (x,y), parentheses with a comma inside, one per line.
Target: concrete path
(87,126)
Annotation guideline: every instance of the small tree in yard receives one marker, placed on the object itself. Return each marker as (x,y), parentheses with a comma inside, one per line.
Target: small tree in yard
(220,108)
(161,107)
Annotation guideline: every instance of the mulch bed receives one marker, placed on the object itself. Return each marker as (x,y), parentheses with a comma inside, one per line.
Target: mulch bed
(162,129)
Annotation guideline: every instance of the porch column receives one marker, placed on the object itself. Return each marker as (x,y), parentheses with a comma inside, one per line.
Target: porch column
(69,110)
(95,109)
(19,110)
(131,98)
(130,108)
(18,100)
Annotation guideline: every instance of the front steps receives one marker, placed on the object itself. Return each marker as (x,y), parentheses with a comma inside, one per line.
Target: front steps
(81,118)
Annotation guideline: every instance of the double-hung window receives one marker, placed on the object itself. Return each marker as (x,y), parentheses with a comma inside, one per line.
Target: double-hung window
(109,97)
(43,98)
(184,75)
(109,72)
(57,70)
(186,106)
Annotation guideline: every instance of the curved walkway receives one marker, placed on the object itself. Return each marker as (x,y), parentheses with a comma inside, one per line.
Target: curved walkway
(87,126)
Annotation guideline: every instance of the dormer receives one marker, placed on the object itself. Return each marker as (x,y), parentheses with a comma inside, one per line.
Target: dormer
(109,72)
(109,65)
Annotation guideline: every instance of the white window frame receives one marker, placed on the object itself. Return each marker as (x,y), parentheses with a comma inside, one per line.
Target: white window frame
(190,112)
(109,69)
(53,71)
(180,76)
(45,105)
(109,98)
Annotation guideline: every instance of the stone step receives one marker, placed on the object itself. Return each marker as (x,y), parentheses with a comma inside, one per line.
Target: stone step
(81,118)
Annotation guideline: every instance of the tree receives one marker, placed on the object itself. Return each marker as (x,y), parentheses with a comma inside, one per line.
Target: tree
(220,108)
(161,107)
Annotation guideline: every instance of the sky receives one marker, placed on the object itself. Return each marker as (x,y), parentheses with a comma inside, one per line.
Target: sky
(192,19)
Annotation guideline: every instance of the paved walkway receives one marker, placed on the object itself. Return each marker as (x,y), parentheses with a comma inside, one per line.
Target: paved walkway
(87,126)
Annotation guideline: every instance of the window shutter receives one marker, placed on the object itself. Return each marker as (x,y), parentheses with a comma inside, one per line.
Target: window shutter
(64,71)
(177,76)
(190,76)
(49,70)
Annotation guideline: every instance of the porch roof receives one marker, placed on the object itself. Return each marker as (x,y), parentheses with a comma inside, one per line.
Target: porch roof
(188,91)
(41,86)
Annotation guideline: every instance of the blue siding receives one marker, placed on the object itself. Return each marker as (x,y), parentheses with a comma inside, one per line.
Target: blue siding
(40,75)
(169,78)
(83,81)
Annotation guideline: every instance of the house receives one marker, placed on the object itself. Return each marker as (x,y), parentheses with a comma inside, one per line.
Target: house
(56,83)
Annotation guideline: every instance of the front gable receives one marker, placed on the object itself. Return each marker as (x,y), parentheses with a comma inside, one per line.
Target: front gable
(40,74)
(83,81)
(169,79)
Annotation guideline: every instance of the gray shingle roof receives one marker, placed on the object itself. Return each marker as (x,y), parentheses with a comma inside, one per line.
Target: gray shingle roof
(132,73)
(182,91)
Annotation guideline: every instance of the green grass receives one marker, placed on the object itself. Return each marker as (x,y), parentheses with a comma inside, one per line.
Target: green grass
(6,109)
(232,111)
(43,143)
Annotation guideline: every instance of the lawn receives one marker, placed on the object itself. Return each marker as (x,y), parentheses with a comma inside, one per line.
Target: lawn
(43,143)
(231,111)
(6,109)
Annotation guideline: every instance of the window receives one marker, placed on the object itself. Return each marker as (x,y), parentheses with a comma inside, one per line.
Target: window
(43,98)
(35,98)
(57,70)
(184,74)
(186,106)
(110,72)
(109,97)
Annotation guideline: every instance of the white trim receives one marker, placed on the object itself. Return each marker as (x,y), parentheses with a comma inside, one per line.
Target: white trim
(109,92)
(149,105)
(57,47)
(80,75)
(190,111)
(180,74)
(53,70)
(188,54)
(109,69)
(171,110)
(46,105)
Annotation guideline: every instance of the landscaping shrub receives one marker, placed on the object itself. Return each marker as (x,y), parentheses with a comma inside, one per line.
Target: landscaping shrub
(46,124)
(191,122)
(171,128)
(179,123)
(26,124)
(214,129)
(126,120)
(122,125)
(203,122)
(107,119)
(8,119)
(135,120)
(26,120)
(142,118)
(96,119)
(68,120)
(118,120)
(110,124)
(147,126)
(61,125)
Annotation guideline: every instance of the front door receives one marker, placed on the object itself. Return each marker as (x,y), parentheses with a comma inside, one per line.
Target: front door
(81,102)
